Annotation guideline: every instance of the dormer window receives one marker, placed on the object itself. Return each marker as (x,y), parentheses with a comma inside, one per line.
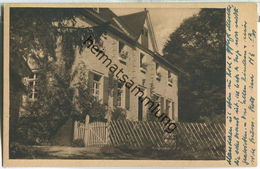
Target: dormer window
(170,78)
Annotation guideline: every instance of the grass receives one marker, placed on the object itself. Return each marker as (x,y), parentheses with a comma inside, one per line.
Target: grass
(107,152)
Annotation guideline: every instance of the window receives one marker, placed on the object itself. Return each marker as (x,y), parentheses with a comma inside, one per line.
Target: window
(157,68)
(141,59)
(143,65)
(120,46)
(170,78)
(96,86)
(32,87)
(145,32)
(122,53)
(168,107)
(156,99)
(119,94)
(169,74)
(157,71)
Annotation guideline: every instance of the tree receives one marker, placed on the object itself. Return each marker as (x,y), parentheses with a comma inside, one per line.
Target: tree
(35,33)
(198,47)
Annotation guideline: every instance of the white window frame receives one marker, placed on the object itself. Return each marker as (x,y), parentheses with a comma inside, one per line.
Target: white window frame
(96,88)
(32,89)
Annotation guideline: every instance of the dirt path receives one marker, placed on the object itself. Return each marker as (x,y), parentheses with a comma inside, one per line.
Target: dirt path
(66,152)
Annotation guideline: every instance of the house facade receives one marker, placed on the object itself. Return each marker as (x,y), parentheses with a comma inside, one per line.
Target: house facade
(130,43)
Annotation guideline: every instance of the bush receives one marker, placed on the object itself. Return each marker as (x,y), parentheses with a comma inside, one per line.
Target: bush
(78,143)
(119,114)
(18,150)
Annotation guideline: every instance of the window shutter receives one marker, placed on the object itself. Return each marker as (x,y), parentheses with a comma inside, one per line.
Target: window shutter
(127,98)
(115,92)
(90,81)
(105,90)
(173,112)
(162,105)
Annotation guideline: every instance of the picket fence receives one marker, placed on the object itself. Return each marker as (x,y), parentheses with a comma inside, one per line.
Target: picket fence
(202,137)
(93,134)
(192,137)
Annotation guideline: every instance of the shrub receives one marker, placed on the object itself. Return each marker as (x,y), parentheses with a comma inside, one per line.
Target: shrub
(88,105)
(18,150)
(78,143)
(119,114)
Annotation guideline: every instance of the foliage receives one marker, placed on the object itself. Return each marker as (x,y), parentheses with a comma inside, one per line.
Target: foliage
(151,117)
(118,114)
(85,102)
(47,114)
(198,47)
(78,143)
(20,151)
(88,105)
(35,34)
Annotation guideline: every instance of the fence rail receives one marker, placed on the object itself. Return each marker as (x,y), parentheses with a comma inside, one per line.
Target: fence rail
(204,137)
(93,134)
(138,134)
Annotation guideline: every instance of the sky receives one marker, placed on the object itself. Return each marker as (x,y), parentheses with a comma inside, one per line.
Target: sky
(165,21)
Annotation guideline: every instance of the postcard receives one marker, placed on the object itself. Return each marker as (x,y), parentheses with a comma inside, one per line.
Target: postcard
(148,84)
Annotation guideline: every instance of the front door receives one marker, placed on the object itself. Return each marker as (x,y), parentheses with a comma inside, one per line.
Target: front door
(140,108)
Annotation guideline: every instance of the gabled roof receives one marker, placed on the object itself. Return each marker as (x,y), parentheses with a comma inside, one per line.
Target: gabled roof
(131,24)
(107,15)
(134,23)
(130,27)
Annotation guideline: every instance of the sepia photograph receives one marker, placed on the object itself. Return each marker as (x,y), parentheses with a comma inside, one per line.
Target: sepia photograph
(117,83)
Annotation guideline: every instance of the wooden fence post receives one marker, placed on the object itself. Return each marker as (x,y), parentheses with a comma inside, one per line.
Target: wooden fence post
(86,131)
(75,134)
(107,132)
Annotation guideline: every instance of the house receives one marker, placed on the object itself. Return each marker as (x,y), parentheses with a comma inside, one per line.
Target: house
(130,43)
